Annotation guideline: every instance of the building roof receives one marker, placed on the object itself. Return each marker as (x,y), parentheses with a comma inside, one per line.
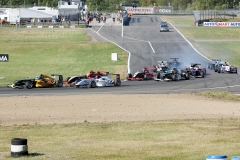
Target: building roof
(30,13)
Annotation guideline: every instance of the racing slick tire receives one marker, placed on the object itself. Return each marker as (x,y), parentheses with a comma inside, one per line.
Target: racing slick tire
(146,77)
(205,71)
(158,75)
(117,83)
(202,74)
(236,71)
(29,85)
(173,77)
(187,76)
(59,83)
(129,75)
(92,84)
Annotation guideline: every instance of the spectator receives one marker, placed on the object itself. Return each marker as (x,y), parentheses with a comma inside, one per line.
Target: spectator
(88,21)
(104,19)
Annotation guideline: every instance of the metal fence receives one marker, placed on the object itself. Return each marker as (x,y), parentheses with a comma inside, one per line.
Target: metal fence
(208,15)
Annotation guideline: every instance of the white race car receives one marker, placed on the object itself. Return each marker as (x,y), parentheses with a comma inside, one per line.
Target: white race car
(107,81)
(85,82)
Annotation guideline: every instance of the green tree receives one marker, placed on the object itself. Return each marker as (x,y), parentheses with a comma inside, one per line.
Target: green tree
(39,3)
(180,4)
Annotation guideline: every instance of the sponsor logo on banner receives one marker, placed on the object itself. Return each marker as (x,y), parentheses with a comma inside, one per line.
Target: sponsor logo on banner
(139,10)
(163,10)
(221,24)
(4,57)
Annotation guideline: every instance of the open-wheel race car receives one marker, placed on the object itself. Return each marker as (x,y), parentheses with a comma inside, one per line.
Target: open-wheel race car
(94,79)
(80,81)
(97,74)
(42,81)
(196,71)
(167,74)
(174,63)
(108,80)
(224,67)
(214,64)
(105,79)
(146,74)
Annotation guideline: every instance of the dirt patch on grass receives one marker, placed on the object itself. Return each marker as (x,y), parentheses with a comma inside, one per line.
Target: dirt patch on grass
(112,108)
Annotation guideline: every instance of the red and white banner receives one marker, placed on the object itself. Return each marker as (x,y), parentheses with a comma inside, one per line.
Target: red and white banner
(139,10)
(221,24)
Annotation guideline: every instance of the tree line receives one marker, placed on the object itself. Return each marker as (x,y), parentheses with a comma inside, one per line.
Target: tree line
(107,5)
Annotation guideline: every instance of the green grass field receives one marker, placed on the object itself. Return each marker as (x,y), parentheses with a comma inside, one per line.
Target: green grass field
(165,140)
(66,52)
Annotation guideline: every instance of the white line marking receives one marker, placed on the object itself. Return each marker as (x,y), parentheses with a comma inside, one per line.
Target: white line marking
(129,53)
(143,41)
(100,27)
(151,47)
(190,43)
(136,39)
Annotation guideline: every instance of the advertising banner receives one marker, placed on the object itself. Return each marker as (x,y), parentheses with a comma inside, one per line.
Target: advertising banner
(163,10)
(221,24)
(139,10)
(4,58)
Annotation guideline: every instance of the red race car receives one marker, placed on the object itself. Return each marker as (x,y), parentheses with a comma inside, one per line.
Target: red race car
(147,74)
(97,74)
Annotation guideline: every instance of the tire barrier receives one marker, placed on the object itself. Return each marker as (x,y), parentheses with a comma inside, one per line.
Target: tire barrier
(235,158)
(19,147)
(216,157)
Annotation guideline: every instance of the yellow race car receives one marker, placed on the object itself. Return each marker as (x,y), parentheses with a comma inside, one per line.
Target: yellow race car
(42,81)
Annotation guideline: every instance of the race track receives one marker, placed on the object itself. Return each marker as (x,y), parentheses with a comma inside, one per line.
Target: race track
(147,46)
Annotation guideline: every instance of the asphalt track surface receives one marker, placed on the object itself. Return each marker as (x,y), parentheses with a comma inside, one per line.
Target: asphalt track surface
(147,45)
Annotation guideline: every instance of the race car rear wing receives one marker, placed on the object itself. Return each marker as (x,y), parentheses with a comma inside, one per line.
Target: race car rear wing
(115,74)
(165,62)
(194,64)
(219,60)
(59,75)
(173,58)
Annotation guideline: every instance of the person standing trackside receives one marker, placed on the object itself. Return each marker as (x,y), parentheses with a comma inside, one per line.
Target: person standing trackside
(88,20)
